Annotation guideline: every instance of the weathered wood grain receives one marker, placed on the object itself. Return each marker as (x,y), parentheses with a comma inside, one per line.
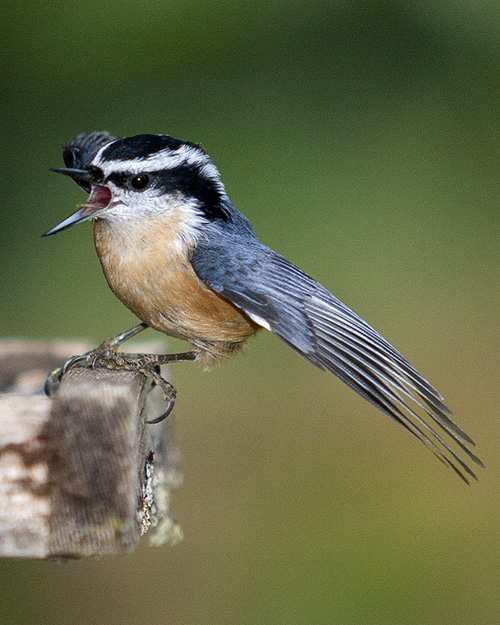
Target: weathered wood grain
(82,473)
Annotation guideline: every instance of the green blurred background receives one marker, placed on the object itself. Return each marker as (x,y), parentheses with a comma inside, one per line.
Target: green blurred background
(362,140)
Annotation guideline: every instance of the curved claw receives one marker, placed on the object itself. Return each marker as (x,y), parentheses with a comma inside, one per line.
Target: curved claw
(52,382)
(152,370)
(101,354)
(54,378)
(72,362)
(164,415)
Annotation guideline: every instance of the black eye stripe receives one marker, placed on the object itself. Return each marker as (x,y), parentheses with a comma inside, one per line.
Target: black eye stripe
(190,180)
(126,180)
(119,178)
(185,179)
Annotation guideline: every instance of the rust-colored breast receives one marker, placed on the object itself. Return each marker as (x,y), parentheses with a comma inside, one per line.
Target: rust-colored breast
(149,271)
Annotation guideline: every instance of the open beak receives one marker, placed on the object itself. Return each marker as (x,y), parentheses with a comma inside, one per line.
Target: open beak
(98,201)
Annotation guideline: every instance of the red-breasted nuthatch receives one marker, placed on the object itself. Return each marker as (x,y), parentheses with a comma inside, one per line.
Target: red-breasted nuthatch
(180,256)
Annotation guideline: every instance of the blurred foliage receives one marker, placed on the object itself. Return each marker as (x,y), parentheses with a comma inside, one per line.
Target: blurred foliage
(362,140)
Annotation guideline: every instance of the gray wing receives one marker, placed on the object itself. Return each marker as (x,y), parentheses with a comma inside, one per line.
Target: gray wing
(323,330)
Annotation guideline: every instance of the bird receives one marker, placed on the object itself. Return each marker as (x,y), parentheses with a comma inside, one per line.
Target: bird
(177,252)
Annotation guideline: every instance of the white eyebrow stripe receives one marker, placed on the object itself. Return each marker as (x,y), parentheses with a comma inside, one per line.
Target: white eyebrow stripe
(166,159)
(187,155)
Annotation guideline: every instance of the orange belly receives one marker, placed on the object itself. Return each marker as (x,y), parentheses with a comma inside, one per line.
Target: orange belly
(151,274)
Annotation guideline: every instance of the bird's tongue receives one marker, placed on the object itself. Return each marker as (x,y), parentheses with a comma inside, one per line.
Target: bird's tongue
(99,198)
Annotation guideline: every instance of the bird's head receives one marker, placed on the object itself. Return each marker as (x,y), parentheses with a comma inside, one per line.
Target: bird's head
(133,177)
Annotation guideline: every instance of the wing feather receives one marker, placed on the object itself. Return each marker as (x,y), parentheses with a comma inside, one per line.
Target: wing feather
(327,333)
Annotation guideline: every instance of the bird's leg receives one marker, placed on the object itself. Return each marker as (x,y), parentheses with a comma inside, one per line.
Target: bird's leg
(116,341)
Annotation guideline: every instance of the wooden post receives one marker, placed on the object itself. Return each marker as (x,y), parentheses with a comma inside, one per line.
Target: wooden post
(81,473)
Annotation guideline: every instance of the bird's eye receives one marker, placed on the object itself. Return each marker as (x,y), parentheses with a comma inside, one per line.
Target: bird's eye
(140,182)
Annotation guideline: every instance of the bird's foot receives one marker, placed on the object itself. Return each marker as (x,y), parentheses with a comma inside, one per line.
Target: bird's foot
(90,359)
(145,364)
(54,377)
(104,356)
